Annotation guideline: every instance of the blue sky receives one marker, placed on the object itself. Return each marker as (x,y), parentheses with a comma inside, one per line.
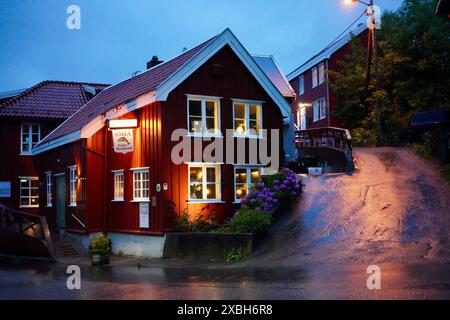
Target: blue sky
(117,37)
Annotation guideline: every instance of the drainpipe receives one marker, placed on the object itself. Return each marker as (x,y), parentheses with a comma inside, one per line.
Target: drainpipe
(328,95)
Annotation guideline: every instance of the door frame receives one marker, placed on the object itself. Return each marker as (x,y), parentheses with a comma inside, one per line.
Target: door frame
(60,218)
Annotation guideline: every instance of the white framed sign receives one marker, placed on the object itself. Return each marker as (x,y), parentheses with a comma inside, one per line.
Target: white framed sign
(123,140)
(144,215)
(5,189)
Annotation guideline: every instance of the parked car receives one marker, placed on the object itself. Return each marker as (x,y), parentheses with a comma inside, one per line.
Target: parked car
(423,122)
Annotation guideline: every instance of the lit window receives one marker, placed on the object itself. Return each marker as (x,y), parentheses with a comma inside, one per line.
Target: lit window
(316,110)
(320,109)
(203,115)
(29,192)
(30,136)
(301,84)
(118,185)
(247,118)
(48,187)
(5,189)
(141,184)
(321,73)
(72,186)
(244,180)
(204,182)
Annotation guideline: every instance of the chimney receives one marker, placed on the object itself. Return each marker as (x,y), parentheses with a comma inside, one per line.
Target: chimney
(154,62)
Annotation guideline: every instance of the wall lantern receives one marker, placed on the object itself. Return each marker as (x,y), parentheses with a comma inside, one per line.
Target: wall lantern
(122,124)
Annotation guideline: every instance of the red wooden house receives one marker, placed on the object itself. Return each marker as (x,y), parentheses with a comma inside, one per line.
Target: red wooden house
(26,116)
(120,177)
(315,101)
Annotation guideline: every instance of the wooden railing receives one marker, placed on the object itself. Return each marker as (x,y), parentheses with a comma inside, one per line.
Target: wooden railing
(23,224)
(327,137)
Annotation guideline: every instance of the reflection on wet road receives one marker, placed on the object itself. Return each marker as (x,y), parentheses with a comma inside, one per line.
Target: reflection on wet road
(393,212)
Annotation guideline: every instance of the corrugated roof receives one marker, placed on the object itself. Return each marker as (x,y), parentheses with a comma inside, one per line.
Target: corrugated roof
(327,52)
(124,91)
(271,69)
(54,100)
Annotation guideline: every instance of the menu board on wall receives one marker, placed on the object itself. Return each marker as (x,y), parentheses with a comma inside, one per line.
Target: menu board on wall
(144,215)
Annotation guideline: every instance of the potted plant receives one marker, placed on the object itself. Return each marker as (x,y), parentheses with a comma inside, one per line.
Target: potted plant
(100,249)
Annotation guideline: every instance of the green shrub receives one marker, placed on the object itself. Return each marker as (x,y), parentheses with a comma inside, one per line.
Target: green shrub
(201,223)
(446,172)
(249,221)
(101,245)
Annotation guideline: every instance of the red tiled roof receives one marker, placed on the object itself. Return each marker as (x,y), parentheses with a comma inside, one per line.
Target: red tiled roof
(53,100)
(122,92)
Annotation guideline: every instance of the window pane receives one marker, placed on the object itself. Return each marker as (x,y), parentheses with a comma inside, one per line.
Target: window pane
(241,176)
(211,107)
(239,126)
(254,127)
(196,174)
(210,125)
(239,111)
(25,129)
(196,191)
(254,112)
(34,201)
(24,201)
(211,175)
(211,191)
(195,108)
(254,176)
(241,191)
(195,124)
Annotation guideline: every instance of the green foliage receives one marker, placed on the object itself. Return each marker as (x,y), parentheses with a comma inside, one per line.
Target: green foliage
(248,221)
(235,255)
(414,73)
(201,223)
(445,170)
(101,245)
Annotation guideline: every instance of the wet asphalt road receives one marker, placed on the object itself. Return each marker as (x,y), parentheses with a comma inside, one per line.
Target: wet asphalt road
(393,212)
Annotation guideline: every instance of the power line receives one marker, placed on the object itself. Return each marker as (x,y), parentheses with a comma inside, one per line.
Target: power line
(345,31)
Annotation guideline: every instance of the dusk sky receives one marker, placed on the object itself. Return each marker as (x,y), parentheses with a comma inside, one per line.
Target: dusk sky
(117,37)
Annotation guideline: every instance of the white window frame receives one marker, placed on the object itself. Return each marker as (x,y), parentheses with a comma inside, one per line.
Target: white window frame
(249,184)
(118,184)
(247,104)
(29,188)
(321,73)
(48,188)
(30,133)
(139,197)
(301,84)
(316,111)
(7,185)
(203,100)
(204,166)
(73,186)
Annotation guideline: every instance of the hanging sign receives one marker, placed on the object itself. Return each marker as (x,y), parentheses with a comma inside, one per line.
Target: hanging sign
(123,140)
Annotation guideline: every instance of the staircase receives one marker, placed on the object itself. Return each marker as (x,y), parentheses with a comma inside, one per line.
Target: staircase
(65,248)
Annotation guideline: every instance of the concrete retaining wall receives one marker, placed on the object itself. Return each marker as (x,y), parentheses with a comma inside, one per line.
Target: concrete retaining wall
(206,246)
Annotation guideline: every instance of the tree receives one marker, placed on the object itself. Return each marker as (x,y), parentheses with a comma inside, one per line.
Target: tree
(414,47)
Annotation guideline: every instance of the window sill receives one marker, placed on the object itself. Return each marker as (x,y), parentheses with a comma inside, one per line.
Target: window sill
(49,206)
(237,202)
(243,136)
(25,207)
(118,200)
(141,200)
(200,135)
(204,201)
(72,205)
(25,154)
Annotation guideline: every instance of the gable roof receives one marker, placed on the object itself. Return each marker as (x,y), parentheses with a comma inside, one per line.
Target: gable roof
(271,69)
(50,100)
(153,85)
(327,52)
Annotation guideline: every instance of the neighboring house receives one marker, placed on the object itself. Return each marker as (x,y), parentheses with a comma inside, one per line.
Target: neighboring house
(135,195)
(26,116)
(315,100)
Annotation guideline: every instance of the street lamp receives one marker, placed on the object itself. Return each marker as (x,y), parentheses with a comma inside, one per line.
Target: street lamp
(372,50)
